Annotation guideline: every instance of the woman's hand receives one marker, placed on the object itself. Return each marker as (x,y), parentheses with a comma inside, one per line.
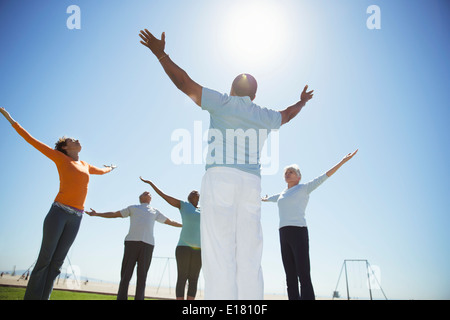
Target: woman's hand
(349,156)
(344,160)
(146,181)
(6,115)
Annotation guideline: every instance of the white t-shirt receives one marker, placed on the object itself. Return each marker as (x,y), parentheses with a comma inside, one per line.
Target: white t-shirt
(142,221)
(292,202)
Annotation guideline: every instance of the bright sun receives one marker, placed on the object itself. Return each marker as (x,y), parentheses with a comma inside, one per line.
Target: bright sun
(255,32)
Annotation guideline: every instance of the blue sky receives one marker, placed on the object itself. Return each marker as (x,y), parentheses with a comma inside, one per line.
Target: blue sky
(382,91)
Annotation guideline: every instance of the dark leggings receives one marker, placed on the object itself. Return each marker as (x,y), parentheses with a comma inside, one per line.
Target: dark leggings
(189,263)
(295,254)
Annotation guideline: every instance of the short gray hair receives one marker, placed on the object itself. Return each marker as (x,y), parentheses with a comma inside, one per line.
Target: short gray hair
(295,168)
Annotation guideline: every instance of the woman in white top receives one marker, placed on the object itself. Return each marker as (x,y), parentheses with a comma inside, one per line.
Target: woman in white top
(294,238)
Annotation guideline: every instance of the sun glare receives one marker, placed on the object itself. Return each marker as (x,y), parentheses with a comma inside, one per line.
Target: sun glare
(255,32)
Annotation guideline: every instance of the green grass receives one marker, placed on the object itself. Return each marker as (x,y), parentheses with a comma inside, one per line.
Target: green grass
(17,293)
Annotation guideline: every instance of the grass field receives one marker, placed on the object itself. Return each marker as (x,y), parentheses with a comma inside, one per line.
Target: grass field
(17,293)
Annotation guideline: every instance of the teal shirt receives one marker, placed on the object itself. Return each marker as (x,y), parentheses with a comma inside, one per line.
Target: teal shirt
(190,232)
(238,130)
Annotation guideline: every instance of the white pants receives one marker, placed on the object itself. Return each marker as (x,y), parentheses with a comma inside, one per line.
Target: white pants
(231,235)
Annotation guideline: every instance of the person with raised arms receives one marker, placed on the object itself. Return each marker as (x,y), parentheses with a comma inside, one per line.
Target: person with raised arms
(139,242)
(294,237)
(231,232)
(187,252)
(62,222)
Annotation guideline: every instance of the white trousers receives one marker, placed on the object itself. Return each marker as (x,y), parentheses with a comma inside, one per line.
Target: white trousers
(231,235)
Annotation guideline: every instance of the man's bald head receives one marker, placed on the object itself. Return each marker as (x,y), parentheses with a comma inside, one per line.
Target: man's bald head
(244,85)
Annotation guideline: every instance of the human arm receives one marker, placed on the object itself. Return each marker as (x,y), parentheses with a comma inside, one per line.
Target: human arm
(96,170)
(7,115)
(312,185)
(170,200)
(113,214)
(341,163)
(161,218)
(178,76)
(289,113)
(42,147)
(173,223)
(273,198)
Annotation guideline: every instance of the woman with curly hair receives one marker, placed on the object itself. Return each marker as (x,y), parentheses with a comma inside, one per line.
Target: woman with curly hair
(63,220)
(188,252)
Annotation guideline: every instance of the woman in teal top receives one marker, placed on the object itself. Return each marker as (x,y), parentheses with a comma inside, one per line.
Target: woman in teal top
(187,253)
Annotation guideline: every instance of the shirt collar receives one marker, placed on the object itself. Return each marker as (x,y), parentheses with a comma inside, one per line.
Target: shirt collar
(247,99)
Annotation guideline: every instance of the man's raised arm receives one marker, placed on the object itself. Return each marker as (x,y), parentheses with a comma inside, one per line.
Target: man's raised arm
(289,113)
(178,76)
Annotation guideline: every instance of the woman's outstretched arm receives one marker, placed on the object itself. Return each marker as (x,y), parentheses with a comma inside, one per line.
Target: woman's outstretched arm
(344,160)
(170,200)
(42,147)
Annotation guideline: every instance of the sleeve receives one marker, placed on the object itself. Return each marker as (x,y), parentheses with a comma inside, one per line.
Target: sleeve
(271,119)
(43,148)
(125,212)
(185,206)
(312,185)
(95,170)
(160,217)
(212,101)
(182,207)
(273,198)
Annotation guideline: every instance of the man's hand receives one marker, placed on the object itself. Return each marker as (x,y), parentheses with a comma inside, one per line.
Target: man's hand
(289,113)
(178,76)
(155,45)
(306,96)
(92,213)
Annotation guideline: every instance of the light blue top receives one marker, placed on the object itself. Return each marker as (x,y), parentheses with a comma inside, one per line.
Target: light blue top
(237,131)
(292,202)
(142,221)
(190,233)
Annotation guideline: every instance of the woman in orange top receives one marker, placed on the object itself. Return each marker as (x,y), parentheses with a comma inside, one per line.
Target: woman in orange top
(63,220)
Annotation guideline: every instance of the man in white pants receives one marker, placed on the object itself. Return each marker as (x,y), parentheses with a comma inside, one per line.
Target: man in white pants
(230,226)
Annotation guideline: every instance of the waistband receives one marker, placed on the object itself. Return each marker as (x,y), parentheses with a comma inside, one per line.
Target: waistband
(69,209)
(232,170)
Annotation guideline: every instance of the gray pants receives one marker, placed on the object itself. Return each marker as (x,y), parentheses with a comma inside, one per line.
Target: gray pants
(140,253)
(59,233)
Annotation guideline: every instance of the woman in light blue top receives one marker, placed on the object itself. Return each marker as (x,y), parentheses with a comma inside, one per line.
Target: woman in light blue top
(187,253)
(294,238)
